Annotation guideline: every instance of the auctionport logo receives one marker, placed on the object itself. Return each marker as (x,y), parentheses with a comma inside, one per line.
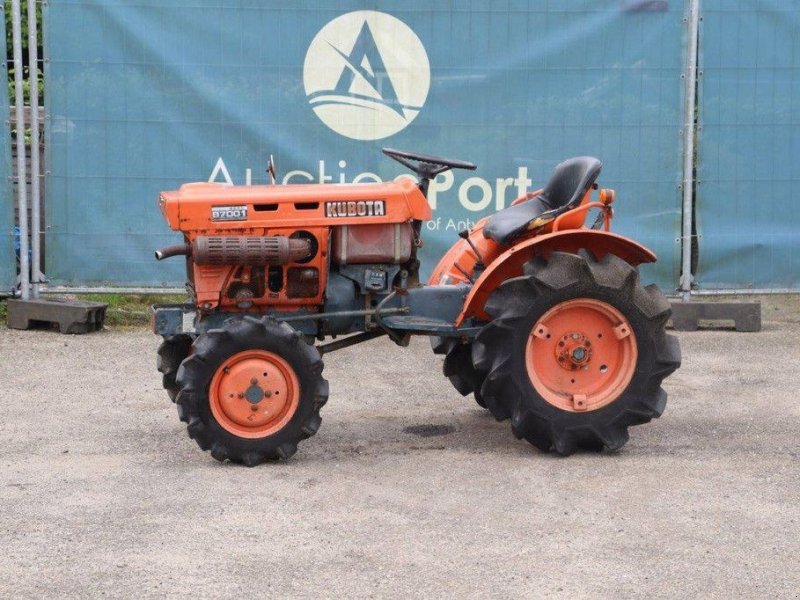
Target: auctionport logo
(366,75)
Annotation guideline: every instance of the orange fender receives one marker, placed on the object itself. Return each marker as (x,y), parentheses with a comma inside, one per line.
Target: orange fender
(458,263)
(509,263)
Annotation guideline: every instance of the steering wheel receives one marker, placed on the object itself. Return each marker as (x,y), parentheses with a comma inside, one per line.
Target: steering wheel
(427,167)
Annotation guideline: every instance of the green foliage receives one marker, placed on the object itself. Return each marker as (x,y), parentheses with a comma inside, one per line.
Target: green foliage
(24,11)
(130,309)
(26,86)
(10,49)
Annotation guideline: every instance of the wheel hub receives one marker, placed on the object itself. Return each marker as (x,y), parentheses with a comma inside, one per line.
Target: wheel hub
(581,355)
(573,351)
(254,394)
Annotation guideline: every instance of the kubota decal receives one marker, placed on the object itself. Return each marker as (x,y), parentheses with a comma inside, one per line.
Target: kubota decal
(359,208)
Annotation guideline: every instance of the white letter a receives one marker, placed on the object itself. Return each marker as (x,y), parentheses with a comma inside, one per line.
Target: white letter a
(220,168)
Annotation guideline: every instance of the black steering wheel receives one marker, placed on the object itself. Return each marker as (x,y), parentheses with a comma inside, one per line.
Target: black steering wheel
(427,167)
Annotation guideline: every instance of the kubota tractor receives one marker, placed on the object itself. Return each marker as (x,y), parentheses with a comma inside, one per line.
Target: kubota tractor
(541,318)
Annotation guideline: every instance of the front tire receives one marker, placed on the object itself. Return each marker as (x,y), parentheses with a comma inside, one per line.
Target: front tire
(458,367)
(576,352)
(171,353)
(251,390)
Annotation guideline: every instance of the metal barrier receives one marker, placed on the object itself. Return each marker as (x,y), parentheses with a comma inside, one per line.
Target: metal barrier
(144,97)
(27,233)
(749,141)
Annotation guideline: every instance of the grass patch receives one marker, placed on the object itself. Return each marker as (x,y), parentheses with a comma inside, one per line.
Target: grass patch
(130,309)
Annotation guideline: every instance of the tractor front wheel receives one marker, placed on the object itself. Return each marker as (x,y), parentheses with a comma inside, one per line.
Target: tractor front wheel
(171,353)
(576,352)
(252,390)
(458,367)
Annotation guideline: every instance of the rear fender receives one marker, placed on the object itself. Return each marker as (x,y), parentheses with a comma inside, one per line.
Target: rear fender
(509,264)
(458,263)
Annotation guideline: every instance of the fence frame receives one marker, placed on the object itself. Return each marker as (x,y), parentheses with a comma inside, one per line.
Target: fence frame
(31,278)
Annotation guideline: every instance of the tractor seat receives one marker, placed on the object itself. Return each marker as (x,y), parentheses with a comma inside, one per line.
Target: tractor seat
(566,187)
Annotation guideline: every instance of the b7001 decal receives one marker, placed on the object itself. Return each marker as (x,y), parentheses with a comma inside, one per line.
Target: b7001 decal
(229,213)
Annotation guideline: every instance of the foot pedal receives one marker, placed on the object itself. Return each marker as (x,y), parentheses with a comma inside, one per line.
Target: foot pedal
(745,315)
(72,316)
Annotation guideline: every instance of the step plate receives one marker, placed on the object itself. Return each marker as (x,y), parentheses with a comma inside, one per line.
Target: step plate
(426,325)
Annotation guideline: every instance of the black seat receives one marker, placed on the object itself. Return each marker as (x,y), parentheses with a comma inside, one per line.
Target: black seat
(567,186)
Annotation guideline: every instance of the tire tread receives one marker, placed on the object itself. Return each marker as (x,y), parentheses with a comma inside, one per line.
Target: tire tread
(508,395)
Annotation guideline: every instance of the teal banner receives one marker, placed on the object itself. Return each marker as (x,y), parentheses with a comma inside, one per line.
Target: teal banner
(748,145)
(143,96)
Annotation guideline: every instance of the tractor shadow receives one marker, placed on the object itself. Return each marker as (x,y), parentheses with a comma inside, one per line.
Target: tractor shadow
(468,431)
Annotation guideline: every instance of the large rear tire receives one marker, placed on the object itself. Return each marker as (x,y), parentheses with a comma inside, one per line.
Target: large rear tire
(251,390)
(576,352)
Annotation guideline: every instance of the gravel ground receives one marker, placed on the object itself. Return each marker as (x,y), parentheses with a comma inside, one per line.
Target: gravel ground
(103,494)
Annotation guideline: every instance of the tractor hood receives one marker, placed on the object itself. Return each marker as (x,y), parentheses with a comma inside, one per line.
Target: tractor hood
(205,206)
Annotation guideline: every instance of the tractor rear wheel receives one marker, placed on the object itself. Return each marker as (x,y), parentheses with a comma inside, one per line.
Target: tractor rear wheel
(576,352)
(458,367)
(251,390)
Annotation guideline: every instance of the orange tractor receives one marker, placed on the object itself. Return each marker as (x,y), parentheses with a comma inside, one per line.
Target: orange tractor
(541,318)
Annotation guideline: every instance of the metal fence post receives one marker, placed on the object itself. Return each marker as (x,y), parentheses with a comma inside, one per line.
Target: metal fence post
(686,315)
(19,100)
(688,149)
(33,80)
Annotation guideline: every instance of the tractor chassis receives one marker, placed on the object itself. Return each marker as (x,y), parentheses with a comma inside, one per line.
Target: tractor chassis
(428,310)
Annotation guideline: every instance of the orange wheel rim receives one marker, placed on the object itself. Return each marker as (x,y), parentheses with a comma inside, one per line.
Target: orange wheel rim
(254,394)
(581,355)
